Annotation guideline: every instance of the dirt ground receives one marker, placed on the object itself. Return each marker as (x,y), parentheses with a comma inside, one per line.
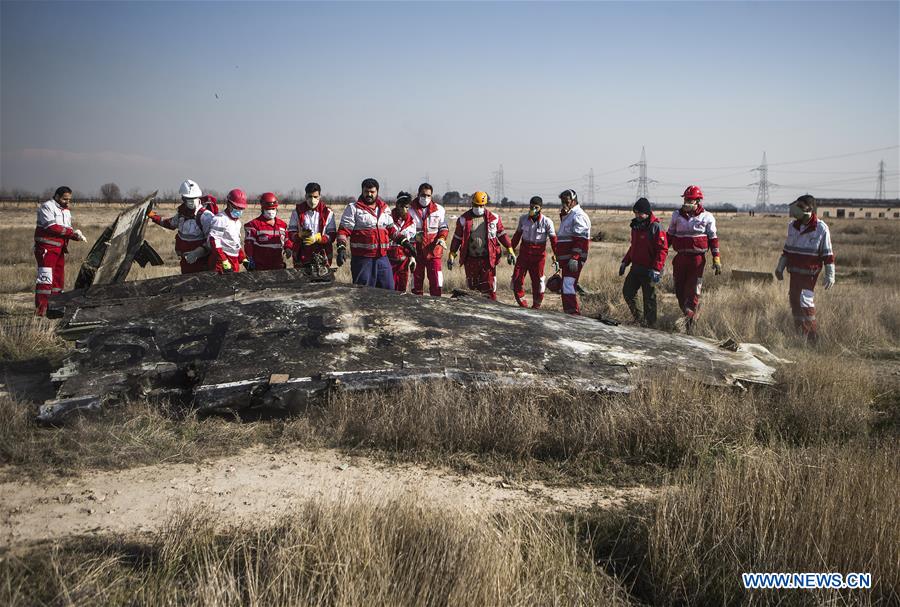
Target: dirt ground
(261,485)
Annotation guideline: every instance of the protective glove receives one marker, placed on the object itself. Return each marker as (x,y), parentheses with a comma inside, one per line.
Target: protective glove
(439,245)
(194,254)
(779,269)
(555,263)
(573,265)
(717,264)
(622,267)
(312,239)
(341,255)
(451,260)
(510,256)
(226,266)
(655,276)
(408,247)
(152,215)
(412,264)
(249,265)
(829,276)
(79,236)
(288,253)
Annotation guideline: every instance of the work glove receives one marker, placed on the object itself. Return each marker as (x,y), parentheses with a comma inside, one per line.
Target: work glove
(79,236)
(312,239)
(412,264)
(152,215)
(226,266)
(439,245)
(573,265)
(717,264)
(655,275)
(451,260)
(249,265)
(829,276)
(510,256)
(288,253)
(779,269)
(341,255)
(408,247)
(622,267)
(194,254)
(555,264)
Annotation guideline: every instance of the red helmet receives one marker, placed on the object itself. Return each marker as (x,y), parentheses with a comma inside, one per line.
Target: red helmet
(693,192)
(554,283)
(268,201)
(237,198)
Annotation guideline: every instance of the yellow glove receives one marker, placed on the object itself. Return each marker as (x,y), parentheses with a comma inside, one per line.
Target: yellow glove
(451,259)
(312,239)
(717,264)
(510,256)
(226,265)
(152,214)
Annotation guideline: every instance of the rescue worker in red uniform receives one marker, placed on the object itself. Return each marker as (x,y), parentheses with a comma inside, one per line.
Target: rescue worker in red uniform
(692,232)
(429,219)
(401,262)
(311,230)
(52,234)
(573,241)
(191,224)
(647,257)
(265,237)
(534,231)
(477,240)
(368,228)
(226,253)
(807,251)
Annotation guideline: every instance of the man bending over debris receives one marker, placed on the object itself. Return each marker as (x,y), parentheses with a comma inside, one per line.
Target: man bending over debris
(226,254)
(647,257)
(191,224)
(573,241)
(807,250)
(51,244)
(266,237)
(477,239)
(534,231)
(367,226)
(311,230)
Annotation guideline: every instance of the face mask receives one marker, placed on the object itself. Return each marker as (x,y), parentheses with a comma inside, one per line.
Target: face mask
(313,201)
(270,213)
(478,211)
(534,211)
(191,204)
(424,201)
(235,213)
(798,213)
(688,207)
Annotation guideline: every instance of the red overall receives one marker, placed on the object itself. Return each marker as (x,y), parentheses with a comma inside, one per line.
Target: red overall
(51,237)
(691,234)
(430,226)
(480,271)
(265,242)
(534,234)
(807,249)
(573,243)
(397,254)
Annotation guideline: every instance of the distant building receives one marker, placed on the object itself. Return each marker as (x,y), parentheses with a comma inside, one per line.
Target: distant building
(858,208)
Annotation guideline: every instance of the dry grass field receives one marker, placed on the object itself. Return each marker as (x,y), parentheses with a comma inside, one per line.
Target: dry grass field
(802,476)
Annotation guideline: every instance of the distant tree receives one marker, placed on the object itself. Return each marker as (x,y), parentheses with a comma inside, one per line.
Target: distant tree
(728,207)
(134,195)
(110,192)
(451,198)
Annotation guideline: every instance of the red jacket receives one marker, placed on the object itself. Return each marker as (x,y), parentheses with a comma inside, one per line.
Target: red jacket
(317,220)
(406,227)
(54,225)
(496,236)
(649,245)
(370,230)
(264,243)
(431,223)
(808,247)
(693,233)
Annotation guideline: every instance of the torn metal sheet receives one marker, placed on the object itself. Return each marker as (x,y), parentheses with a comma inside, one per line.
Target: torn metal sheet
(280,338)
(121,244)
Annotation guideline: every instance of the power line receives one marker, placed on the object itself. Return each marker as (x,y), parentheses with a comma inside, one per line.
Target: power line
(879,191)
(787,162)
(643,183)
(762,195)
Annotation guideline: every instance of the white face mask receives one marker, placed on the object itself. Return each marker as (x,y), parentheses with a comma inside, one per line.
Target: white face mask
(424,201)
(688,207)
(270,213)
(478,211)
(191,204)
(312,201)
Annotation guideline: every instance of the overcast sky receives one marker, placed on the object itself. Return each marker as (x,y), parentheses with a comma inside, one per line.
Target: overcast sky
(335,92)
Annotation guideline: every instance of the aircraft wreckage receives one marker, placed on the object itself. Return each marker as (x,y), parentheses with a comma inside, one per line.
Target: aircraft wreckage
(278,339)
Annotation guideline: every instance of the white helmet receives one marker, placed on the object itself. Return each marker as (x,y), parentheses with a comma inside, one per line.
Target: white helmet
(190,189)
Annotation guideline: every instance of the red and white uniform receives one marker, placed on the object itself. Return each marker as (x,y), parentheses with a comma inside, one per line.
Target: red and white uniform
(534,233)
(807,248)
(370,230)
(318,220)
(691,235)
(51,238)
(225,243)
(573,242)
(480,266)
(191,231)
(265,242)
(397,254)
(430,226)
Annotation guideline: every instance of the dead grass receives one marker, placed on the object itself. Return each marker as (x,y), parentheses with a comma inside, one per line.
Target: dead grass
(361,552)
(23,338)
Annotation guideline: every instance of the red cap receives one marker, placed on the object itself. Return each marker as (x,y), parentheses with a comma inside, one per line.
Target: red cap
(237,198)
(693,192)
(268,201)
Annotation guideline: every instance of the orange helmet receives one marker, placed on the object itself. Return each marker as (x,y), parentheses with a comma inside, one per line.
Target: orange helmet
(480,199)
